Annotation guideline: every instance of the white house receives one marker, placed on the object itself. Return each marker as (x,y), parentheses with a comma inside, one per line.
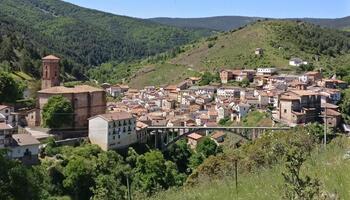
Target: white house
(259,51)
(330,96)
(113,130)
(24,147)
(229,92)
(5,131)
(222,113)
(297,62)
(200,90)
(266,71)
(242,110)
(116,90)
(304,78)
(6,115)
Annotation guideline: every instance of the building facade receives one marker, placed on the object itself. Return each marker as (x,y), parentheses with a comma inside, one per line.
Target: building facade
(113,130)
(87,101)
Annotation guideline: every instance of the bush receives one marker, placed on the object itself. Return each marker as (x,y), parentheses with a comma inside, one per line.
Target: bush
(210,45)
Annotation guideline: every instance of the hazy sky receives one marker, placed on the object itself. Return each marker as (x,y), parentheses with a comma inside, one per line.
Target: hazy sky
(205,8)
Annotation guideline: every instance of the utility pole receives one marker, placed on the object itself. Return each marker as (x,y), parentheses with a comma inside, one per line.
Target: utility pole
(129,188)
(325,126)
(236,177)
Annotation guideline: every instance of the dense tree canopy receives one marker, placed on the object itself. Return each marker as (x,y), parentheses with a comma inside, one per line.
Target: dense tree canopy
(153,172)
(10,89)
(180,154)
(58,112)
(207,147)
(344,105)
(19,182)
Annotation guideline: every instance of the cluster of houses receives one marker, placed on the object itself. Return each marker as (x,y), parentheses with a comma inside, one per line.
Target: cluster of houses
(292,99)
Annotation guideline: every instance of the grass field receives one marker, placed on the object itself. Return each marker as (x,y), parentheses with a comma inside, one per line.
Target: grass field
(257,118)
(267,184)
(161,74)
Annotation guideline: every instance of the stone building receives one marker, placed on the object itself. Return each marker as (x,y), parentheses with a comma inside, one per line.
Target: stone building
(236,75)
(299,107)
(87,101)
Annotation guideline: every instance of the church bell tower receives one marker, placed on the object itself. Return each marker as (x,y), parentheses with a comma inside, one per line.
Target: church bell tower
(51,72)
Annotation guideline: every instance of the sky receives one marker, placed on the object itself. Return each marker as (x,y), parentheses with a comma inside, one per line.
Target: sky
(206,8)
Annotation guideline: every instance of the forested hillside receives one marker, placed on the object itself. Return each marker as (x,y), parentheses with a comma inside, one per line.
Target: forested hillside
(280,40)
(221,23)
(83,37)
(226,23)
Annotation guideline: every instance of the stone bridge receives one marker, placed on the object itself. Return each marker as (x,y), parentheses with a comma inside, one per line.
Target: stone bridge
(166,136)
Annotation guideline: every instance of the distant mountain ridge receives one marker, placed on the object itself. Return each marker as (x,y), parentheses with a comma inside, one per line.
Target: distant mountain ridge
(83,36)
(220,23)
(226,23)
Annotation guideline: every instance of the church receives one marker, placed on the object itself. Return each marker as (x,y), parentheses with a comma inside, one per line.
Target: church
(87,101)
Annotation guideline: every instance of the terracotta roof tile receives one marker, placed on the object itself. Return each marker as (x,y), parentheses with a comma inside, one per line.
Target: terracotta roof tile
(115,116)
(67,90)
(218,134)
(195,136)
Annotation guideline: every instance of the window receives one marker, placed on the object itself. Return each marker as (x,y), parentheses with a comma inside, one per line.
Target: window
(6,111)
(285,110)
(113,137)
(118,136)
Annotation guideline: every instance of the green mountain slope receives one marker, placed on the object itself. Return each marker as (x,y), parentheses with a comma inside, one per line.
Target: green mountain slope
(281,40)
(226,23)
(339,23)
(87,37)
(221,23)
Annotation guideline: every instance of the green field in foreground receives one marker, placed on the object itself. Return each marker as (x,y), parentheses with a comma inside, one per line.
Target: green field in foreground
(328,166)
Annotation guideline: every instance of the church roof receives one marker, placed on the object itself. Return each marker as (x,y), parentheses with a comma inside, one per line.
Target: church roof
(67,90)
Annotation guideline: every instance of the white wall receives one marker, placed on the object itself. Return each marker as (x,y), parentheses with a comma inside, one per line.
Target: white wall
(18,151)
(98,132)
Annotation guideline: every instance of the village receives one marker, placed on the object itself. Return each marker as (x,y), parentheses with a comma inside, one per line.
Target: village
(116,116)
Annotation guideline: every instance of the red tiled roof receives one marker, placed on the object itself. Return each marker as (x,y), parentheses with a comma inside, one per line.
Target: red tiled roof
(195,136)
(218,134)
(331,112)
(114,116)
(67,90)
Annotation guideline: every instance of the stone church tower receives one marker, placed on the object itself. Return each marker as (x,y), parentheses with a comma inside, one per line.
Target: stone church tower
(51,72)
